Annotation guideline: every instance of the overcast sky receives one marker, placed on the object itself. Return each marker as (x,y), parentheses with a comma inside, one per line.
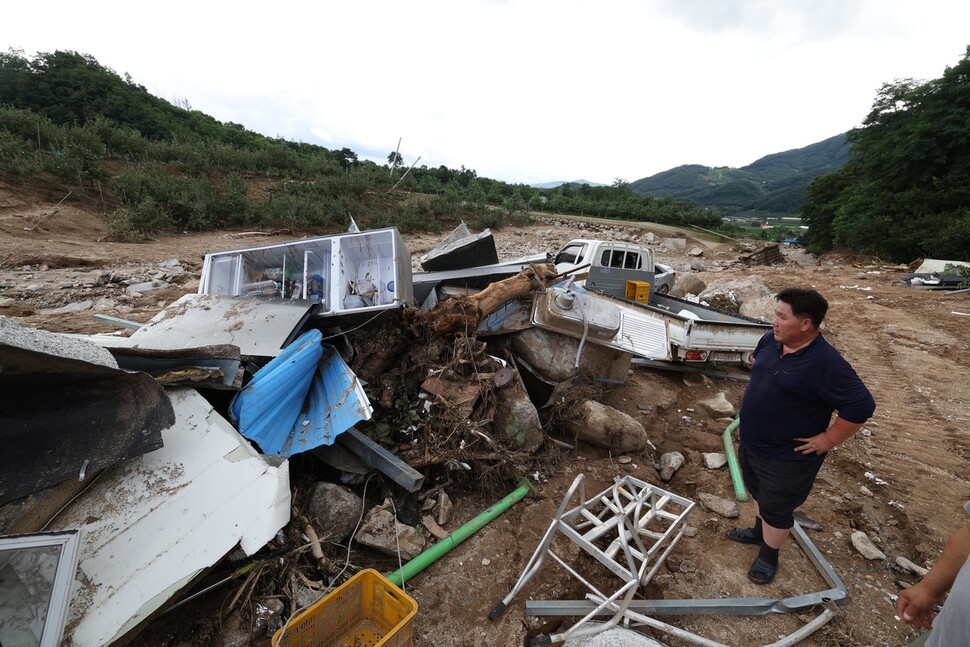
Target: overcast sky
(519,90)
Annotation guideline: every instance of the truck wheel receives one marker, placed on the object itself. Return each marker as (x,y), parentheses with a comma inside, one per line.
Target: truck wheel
(663,289)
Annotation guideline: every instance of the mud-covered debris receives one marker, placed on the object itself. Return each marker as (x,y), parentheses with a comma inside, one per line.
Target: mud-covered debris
(724,507)
(669,464)
(718,406)
(382,531)
(714,460)
(432,526)
(862,543)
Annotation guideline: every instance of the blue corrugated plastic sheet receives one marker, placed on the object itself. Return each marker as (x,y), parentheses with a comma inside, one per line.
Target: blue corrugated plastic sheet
(274,411)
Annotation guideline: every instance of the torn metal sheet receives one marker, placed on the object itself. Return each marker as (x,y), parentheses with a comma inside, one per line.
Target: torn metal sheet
(260,327)
(150,525)
(211,366)
(62,418)
(273,410)
(36,574)
(461,249)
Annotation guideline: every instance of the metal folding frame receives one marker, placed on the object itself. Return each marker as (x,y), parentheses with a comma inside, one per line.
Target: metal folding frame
(636,610)
(610,527)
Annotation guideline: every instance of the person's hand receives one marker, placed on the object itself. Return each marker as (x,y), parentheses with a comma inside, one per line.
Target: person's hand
(915,605)
(815,445)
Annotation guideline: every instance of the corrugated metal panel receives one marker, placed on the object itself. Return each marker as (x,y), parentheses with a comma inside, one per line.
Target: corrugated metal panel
(337,402)
(275,412)
(267,407)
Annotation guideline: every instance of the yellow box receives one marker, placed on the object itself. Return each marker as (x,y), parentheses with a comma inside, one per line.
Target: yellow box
(638,291)
(365,611)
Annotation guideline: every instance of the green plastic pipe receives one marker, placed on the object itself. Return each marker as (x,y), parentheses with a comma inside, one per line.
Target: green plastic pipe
(739,492)
(432,554)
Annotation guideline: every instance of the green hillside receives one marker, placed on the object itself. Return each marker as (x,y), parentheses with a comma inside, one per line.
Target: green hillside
(773,185)
(72,127)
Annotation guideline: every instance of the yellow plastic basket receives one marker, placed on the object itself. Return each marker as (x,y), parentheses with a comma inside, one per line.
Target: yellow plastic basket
(365,611)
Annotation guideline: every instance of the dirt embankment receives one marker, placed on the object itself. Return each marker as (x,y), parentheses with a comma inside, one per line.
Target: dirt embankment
(902,480)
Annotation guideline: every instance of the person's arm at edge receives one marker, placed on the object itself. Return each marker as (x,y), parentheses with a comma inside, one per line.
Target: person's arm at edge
(915,604)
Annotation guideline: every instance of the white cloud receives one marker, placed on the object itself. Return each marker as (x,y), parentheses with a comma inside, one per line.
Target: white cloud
(520,90)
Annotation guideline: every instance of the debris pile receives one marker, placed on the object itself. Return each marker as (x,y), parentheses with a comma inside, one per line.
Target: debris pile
(247,431)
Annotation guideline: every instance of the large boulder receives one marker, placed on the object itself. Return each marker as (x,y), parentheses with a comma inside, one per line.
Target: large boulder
(553,356)
(604,426)
(334,510)
(732,294)
(686,283)
(516,419)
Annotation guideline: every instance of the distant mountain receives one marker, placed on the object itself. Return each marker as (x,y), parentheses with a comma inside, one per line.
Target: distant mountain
(774,184)
(572,183)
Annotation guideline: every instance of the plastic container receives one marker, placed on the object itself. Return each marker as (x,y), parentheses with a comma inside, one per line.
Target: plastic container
(638,291)
(365,611)
(260,288)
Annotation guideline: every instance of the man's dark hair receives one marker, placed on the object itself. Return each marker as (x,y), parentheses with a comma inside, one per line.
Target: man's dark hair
(807,304)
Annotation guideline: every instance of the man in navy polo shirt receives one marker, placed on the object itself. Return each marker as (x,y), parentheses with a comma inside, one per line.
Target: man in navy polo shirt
(797,381)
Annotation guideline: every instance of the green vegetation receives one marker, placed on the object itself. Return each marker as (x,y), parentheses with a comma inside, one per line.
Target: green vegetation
(904,192)
(774,185)
(69,124)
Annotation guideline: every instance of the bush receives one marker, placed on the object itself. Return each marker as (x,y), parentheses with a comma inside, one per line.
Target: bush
(138,223)
(490,219)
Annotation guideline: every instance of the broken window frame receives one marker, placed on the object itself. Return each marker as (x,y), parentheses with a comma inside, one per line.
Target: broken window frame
(68,545)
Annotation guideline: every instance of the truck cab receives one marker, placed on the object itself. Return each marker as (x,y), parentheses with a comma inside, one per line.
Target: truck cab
(612,263)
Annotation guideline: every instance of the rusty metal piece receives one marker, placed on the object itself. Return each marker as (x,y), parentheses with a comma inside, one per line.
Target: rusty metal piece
(502,376)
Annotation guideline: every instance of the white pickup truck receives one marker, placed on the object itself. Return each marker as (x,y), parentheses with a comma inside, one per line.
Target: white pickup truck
(612,264)
(693,332)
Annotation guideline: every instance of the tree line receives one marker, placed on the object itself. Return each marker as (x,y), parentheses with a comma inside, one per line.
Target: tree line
(156,167)
(905,191)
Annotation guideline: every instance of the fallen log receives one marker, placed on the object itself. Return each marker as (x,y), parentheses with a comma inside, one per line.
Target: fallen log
(464,313)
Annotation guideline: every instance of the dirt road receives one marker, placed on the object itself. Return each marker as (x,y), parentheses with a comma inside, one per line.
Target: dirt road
(902,480)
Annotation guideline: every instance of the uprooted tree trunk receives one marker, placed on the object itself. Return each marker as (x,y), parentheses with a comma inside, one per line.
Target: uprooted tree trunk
(463,314)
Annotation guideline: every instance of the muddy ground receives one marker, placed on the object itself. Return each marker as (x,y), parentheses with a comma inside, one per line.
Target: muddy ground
(902,480)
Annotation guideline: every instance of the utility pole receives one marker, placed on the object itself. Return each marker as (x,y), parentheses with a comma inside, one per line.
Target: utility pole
(406,173)
(394,161)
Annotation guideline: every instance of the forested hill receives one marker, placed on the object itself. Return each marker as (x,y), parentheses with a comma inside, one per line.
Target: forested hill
(70,126)
(773,185)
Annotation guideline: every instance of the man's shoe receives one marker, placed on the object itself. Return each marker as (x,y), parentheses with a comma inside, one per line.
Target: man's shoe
(743,536)
(762,572)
